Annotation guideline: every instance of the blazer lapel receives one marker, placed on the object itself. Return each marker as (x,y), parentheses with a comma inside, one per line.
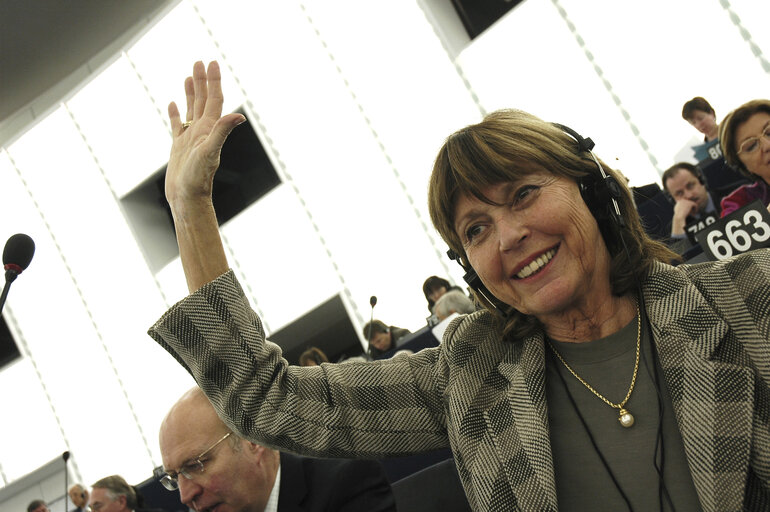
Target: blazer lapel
(712,400)
(528,442)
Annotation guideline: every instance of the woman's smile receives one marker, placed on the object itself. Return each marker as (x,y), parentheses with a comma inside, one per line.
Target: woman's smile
(534,244)
(535,265)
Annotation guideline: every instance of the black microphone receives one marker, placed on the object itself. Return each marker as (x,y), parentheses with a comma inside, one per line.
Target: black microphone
(65,456)
(372,302)
(17,255)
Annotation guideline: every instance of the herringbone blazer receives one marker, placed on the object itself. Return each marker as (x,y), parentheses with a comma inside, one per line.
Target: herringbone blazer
(486,398)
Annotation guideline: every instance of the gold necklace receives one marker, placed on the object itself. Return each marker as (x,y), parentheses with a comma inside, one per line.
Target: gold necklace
(626,419)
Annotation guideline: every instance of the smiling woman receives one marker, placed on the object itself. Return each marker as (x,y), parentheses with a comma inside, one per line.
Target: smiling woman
(536,172)
(596,374)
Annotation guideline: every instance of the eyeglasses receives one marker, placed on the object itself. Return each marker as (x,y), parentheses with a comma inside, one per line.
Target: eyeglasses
(171,480)
(751,145)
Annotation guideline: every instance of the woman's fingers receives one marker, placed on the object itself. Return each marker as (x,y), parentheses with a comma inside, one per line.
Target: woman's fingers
(215,98)
(201,90)
(189,92)
(173,116)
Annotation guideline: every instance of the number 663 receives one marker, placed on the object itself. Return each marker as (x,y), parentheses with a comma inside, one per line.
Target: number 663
(738,239)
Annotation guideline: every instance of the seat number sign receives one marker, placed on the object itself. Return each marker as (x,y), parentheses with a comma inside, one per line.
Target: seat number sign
(743,230)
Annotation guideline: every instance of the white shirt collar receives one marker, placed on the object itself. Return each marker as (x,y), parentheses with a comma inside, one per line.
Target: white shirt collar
(272,501)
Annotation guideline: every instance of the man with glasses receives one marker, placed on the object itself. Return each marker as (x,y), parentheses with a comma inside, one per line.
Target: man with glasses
(215,469)
(745,139)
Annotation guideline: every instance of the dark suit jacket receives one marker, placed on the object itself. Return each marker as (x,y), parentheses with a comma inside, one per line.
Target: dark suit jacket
(316,485)
(436,488)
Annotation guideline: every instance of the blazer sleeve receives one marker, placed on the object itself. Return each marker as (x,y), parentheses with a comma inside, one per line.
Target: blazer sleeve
(354,410)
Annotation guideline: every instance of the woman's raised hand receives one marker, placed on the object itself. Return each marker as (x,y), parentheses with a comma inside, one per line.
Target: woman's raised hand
(198,141)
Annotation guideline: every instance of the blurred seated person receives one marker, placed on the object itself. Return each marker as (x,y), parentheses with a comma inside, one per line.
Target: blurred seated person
(382,337)
(239,475)
(434,287)
(745,140)
(37,506)
(699,113)
(312,357)
(114,494)
(453,301)
(79,496)
(684,184)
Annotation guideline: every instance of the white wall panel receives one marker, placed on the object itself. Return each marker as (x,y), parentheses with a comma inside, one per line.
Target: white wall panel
(531,61)
(287,272)
(165,56)
(94,281)
(123,126)
(29,433)
(318,128)
(659,54)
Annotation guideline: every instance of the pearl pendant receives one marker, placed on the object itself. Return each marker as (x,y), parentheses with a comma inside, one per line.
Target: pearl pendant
(626,418)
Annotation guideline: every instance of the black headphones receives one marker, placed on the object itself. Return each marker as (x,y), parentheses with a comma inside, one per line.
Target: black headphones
(601,193)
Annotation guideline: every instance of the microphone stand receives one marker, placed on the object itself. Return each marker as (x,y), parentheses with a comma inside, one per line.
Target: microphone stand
(66,456)
(372,302)
(10,276)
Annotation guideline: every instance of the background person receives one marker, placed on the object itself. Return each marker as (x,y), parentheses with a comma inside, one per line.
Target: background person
(593,361)
(114,494)
(434,287)
(721,177)
(382,337)
(79,497)
(745,139)
(239,475)
(37,506)
(313,356)
(453,301)
(701,116)
(685,185)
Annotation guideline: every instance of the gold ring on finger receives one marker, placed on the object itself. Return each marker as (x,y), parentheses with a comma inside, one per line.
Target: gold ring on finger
(186,124)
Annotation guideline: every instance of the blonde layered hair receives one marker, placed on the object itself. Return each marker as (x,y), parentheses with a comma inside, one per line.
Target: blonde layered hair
(504,147)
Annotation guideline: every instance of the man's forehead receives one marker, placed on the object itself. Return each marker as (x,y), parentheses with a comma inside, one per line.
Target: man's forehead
(181,442)
(190,424)
(98,493)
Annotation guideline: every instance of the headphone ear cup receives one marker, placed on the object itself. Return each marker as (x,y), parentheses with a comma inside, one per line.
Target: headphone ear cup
(668,197)
(602,195)
(699,175)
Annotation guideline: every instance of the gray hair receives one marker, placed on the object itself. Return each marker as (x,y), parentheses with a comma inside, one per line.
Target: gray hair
(116,486)
(451,301)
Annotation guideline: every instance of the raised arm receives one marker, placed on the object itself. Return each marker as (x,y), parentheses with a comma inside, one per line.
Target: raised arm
(194,159)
